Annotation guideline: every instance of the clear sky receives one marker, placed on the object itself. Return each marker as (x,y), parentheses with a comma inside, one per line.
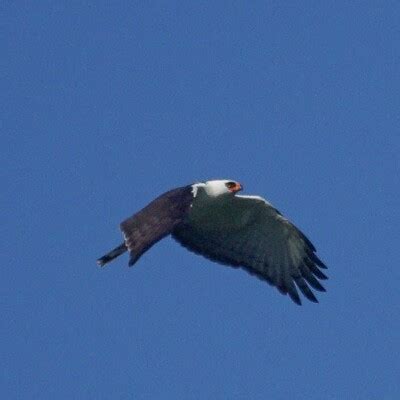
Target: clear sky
(105,105)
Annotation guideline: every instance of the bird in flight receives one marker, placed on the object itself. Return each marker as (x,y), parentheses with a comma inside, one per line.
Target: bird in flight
(211,219)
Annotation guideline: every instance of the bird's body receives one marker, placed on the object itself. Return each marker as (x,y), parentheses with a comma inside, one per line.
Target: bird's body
(240,231)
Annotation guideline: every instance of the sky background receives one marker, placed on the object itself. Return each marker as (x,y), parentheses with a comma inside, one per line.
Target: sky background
(105,105)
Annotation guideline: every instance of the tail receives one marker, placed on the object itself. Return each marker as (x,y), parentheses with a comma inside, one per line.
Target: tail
(102,261)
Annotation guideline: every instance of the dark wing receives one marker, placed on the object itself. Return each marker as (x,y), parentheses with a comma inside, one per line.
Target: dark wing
(155,221)
(250,233)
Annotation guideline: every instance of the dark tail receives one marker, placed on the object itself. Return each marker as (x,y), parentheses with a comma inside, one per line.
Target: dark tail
(102,261)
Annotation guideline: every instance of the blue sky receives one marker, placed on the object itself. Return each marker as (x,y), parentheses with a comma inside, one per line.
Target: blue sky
(105,105)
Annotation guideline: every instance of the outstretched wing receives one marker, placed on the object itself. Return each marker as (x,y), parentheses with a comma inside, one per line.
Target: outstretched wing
(249,232)
(155,221)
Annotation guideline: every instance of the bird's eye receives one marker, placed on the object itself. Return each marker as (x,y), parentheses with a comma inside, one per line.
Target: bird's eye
(230,185)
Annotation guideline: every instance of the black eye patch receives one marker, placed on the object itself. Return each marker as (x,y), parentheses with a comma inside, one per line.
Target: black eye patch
(230,185)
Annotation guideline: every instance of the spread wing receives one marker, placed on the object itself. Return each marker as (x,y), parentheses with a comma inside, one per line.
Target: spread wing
(249,232)
(155,221)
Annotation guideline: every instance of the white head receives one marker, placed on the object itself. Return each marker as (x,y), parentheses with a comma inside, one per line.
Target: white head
(218,187)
